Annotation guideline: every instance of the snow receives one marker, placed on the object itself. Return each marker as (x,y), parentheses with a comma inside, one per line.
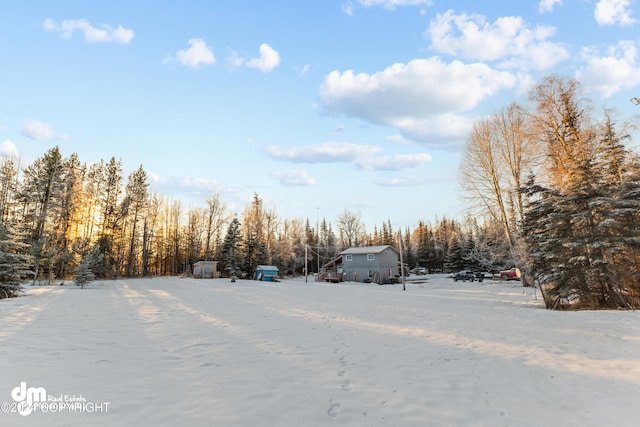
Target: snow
(192,352)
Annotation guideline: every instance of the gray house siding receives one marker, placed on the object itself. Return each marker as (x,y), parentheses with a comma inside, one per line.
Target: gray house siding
(378,264)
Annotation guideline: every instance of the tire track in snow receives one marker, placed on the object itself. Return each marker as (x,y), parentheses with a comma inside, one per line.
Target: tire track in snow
(247,336)
(17,313)
(619,369)
(318,372)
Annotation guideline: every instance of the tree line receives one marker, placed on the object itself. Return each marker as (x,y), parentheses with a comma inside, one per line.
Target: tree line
(60,218)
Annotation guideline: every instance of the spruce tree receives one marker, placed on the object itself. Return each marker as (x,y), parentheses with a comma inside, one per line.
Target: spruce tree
(84,275)
(579,236)
(230,251)
(454,260)
(14,263)
(542,229)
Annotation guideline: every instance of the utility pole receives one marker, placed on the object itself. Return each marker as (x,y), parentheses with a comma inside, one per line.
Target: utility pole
(306,257)
(318,232)
(404,288)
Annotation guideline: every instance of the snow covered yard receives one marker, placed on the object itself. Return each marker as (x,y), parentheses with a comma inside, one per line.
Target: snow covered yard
(189,352)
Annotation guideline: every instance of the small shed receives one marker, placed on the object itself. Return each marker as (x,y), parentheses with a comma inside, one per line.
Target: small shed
(206,270)
(267,273)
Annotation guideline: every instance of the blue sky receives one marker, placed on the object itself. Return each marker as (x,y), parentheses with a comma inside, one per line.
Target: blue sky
(316,106)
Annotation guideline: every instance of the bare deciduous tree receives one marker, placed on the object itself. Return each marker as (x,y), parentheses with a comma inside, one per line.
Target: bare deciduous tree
(350,227)
(498,155)
(215,218)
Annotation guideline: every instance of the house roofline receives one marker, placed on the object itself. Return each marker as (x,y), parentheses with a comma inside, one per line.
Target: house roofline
(368,250)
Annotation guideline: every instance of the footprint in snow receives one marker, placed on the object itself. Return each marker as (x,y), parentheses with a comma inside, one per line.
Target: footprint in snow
(334,410)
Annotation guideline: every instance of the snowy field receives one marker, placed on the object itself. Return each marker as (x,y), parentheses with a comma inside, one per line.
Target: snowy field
(189,352)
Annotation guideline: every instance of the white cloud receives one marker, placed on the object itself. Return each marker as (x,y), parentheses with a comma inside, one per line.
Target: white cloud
(8,149)
(441,131)
(394,163)
(103,34)
(617,69)
(362,156)
(421,98)
(508,41)
(199,53)
(547,6)
(405,181)
(268,60)
(37,130)
(612,12)
(302,70)
(327,152)
(234,60)
(192,186)
(347,8)
(294,178)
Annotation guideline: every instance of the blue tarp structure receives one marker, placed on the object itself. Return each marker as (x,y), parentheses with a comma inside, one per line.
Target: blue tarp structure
(267,273)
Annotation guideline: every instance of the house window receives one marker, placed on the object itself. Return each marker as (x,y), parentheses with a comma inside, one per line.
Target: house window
(349,257)
(369,257)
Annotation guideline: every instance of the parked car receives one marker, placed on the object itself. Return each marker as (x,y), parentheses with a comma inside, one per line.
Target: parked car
(511,274)
(419,270)
(468,275)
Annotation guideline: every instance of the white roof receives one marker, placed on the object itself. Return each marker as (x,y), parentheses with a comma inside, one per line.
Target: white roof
(267,267)
(367,250)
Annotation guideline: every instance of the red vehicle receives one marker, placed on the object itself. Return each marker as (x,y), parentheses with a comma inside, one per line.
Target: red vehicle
(511,274)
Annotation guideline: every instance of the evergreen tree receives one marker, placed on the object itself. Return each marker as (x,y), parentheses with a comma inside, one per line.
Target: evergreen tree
(254,244)
(470,256)
(8,175)
(575,234)
(84,275)
(40,196)
(311,240)
(454,260)
(137,197)
(65,224)
(14,263)
(110,216)
(408,255)
(230,251)
(427,255)
(422,244)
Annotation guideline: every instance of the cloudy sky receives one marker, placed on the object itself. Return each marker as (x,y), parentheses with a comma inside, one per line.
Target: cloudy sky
(316,106)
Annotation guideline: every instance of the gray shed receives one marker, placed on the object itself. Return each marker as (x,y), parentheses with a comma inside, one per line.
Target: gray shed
(378,264)
(206,270)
